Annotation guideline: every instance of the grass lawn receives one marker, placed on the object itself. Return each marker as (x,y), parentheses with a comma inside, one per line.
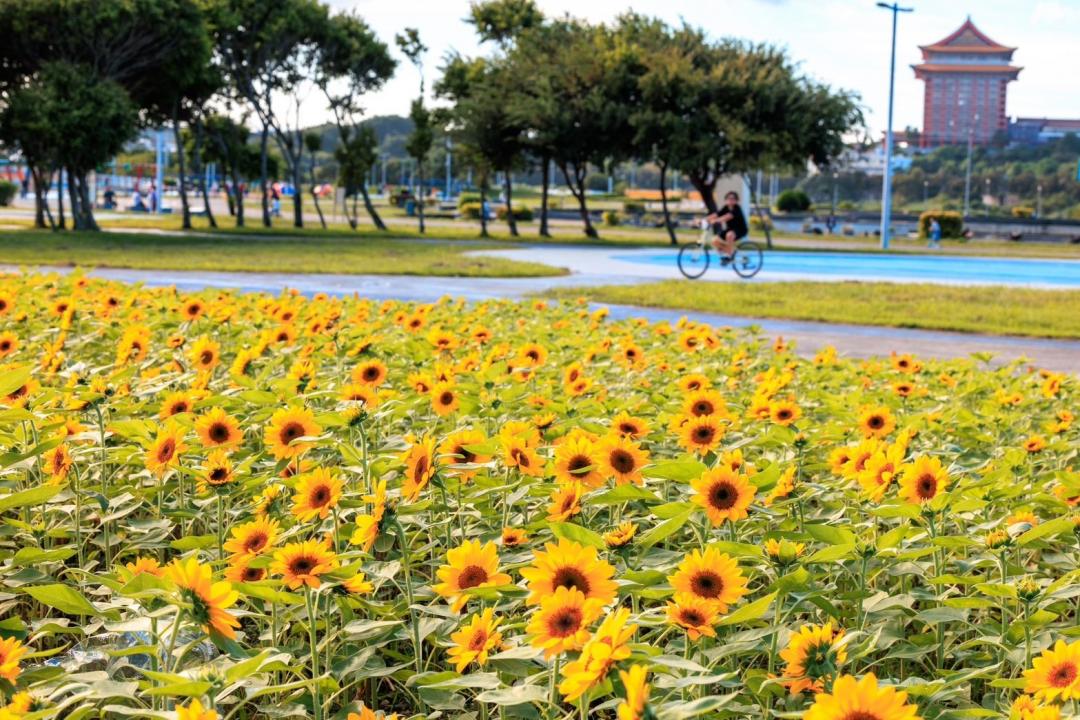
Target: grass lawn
(995,310)
(309,253)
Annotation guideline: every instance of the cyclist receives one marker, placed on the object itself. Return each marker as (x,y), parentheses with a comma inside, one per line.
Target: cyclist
(729,226)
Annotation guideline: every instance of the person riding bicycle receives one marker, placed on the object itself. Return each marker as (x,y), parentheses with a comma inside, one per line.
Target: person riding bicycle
(729,226)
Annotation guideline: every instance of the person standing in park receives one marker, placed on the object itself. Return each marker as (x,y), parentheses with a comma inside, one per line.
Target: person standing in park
(935,234)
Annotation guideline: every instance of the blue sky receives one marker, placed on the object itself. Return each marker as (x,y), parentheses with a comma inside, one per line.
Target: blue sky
(842,42)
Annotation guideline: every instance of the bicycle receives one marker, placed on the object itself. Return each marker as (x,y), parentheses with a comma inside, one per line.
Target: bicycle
(746,260)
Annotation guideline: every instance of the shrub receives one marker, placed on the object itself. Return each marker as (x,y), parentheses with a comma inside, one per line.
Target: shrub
(466,198)
(757,223)
(470,210)
(793,201)
(1023,211)
(845,205)
(611,218)
(521,212)
(952,223)
(7,192)
(633,207)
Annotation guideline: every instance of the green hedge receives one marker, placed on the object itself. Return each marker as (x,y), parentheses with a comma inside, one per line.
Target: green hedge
(793,201)
(7,192)
(521,213)
(611,218)
(470,210)
(633,207)
(952,223)
(467,198)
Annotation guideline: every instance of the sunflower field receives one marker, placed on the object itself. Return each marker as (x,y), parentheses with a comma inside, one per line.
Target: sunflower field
(219,505)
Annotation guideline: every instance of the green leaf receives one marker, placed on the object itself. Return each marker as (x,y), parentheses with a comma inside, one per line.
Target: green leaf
(33,496)
(34,556)
(832,554)
(678,470)
(753,611)
(665,529)
(1046,529)
(12,380)
(516,695)
(570,531)
(63,598)
(192,688)
(624,493)
(831,534)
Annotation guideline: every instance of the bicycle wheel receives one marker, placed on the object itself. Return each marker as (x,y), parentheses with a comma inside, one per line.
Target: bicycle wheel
(748,259)
(693,260)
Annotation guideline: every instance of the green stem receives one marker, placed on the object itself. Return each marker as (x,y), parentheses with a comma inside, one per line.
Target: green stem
(316,702)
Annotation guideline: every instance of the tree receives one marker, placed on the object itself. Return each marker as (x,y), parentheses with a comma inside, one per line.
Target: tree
(422,136)
(481,119)
(351,51)
(355,156)
(503,21)
(267,47)
(26,124)
(228,147)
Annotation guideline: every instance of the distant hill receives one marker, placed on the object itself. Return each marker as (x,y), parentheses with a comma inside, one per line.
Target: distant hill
(391,131)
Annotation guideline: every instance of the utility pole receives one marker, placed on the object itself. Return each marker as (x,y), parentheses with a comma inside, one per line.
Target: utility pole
(886,187)
(1038,201)
(449,162)
(925,192)
(967,171)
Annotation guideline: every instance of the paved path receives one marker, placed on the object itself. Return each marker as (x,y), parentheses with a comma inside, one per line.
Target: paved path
(854,340)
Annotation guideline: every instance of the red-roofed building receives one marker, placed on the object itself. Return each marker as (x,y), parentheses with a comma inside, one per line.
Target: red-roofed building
(966,75)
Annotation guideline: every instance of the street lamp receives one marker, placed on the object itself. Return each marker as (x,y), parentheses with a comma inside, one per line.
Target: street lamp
(925,192)
(886,186)
(986,197)
(1038,201)
(972,119)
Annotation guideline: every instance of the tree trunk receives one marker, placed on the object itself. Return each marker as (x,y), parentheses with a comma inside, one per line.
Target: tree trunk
(298,194)
(73,200)
(577,189)
(355,219)
(706,188)
(315,195)
(663,201)
(483,208)
(420,194)
(185,208)
(544,184)
(200,172)
(40,206)
(508,183)
(757,209)
(89,223)
(238,196)
(371,208)
(61,224)
(262,177)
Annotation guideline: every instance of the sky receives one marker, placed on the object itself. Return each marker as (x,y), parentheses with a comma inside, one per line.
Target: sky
(844,43)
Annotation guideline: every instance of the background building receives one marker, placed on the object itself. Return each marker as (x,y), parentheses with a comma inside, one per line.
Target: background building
(966,75)
(1036,131)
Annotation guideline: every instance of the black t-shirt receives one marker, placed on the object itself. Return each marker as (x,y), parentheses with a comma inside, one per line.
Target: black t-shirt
(736,224)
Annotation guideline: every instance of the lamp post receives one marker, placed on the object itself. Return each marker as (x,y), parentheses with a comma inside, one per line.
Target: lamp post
(925,192)
(886,186)
(1038,201)
(449,162)
(986,196)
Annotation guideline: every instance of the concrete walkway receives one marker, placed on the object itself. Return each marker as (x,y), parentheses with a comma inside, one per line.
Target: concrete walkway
(852,340)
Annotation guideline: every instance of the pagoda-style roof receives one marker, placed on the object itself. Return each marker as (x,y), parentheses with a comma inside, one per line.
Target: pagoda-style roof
(930,68)
(966,39)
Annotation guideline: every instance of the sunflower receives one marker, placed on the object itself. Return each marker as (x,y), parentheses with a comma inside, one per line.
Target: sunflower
(814,656)
(923,480)
(562,622)
(784,412)
(205,354)
(217,428)
(455,449)
(195,711)
(701,434)
(626,425)
(364,395)
(419,468)
(370,372)
(516,452)
(694,614)
(533,355)
(317,493)
(710,575)
(192,309)
(176,403)
(858,457)
(253,538)
(905,363)
(609,645)
(368,526)
(57,462)
(358,584)
(1055,675)
(565,502)
(11,652)
(880,470)
(636,686)
(444,399)
(145,564)
(783,551)
(577,460)
(209,600)
(838,459)
(514,537)
(724,494)
(301,563)
(852,699)
(876,422)
(240,570)
(476,640)
(367,713)
(286,426)
(1035,444)
(9,343)
(621,535)
(217,472)
(569,565)
(470,565)
(704,402)
(622,459)
(694,382)
(164,451)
